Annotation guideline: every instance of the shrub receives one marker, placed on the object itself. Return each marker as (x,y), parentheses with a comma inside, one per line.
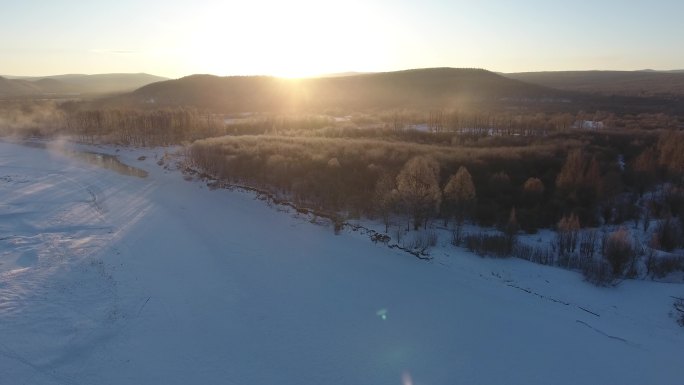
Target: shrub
(484,244)
(674,199)
(618,250)
(432,239)
(422,241)
(534,254)
(663,266)
(338,224)
(588,242)
(679,307)
(457,235)
(598,272)
(668,234)
(567,235)
(399,234)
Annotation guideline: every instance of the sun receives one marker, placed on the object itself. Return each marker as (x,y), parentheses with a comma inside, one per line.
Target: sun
(291,40)
(298,71)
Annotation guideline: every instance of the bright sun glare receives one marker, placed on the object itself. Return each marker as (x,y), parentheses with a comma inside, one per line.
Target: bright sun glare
(290,40)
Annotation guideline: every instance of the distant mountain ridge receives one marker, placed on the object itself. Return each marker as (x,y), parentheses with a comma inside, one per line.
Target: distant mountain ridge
(625,83)
(73,84)
(433,87)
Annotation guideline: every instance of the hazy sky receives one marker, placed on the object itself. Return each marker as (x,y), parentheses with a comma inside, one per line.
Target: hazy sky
(300,37)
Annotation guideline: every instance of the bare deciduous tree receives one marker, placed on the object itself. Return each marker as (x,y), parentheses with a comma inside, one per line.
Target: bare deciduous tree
(386,197)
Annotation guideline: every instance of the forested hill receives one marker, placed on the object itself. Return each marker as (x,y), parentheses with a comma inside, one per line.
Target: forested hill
(72,85)
(625,83)
(421,88)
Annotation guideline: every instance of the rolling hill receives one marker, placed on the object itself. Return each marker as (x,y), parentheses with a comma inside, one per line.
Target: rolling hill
(434,88)
(625,83)
(17,88)
(70,85)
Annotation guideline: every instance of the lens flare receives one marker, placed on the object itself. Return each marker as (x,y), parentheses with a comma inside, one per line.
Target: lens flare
(406,379)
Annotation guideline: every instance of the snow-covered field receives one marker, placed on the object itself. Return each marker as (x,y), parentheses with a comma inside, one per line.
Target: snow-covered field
(114,279)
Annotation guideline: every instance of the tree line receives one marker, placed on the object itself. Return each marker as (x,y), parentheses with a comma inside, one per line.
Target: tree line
(382,178)
(159,127)
(142,128)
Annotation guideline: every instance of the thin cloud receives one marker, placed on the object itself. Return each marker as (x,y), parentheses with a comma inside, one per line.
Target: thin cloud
(114,51)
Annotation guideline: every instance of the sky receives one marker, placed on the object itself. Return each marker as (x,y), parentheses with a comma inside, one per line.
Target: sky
(295,38)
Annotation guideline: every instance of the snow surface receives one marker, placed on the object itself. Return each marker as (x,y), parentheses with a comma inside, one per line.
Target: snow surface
(114,279)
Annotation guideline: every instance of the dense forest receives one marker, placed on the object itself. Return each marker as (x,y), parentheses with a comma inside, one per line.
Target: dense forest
(597,176)
(574,182)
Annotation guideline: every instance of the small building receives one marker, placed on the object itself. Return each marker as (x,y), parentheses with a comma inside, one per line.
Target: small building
(589,125)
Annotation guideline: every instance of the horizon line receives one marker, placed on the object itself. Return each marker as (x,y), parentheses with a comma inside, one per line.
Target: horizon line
(333,74)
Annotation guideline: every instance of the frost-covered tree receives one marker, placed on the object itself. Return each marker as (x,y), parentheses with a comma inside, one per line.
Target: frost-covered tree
(459,192)
(418,188)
